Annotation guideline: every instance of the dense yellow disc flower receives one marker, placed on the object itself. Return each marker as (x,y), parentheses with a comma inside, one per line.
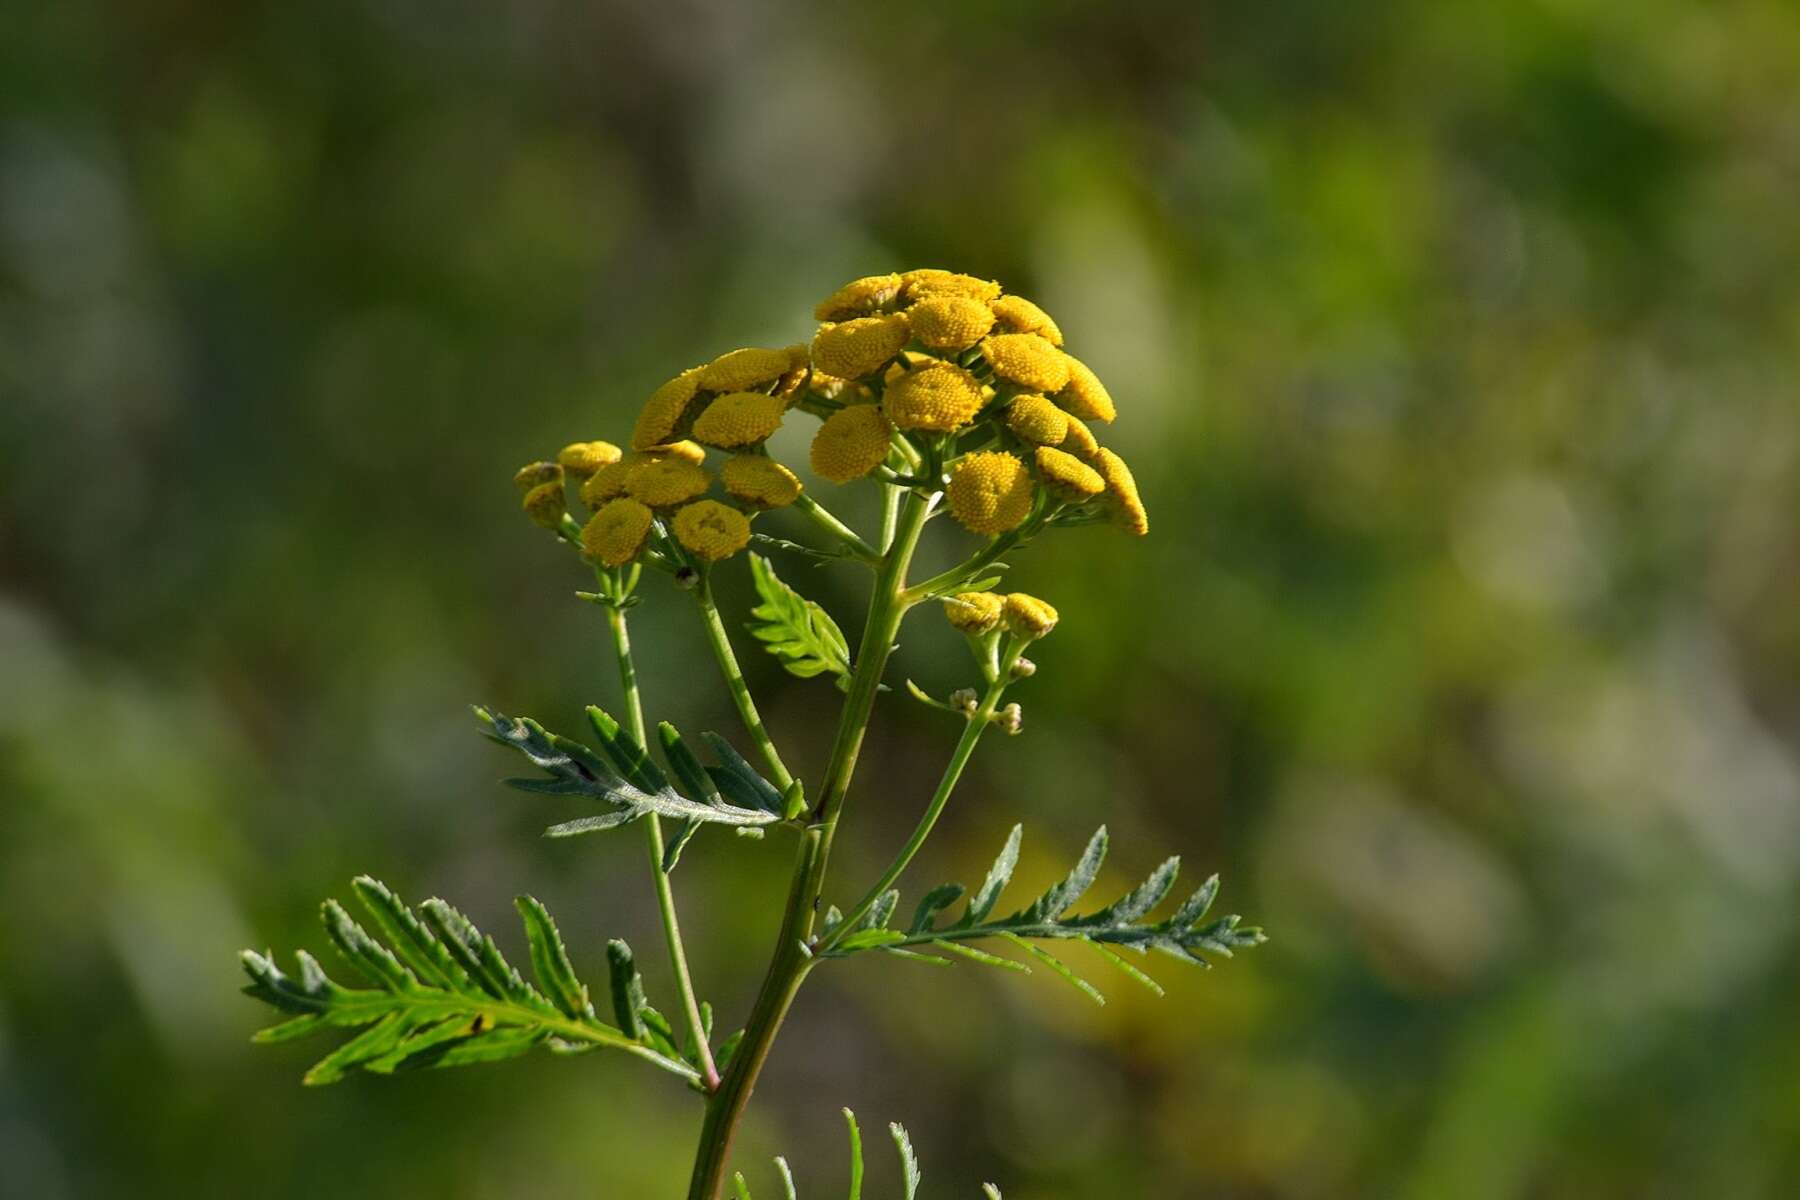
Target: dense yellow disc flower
(1027,616)
(1085,395)
(582,459)
(739,369)
(686,451)
(760,481)
(858,298)
(1080,440)
(537,474)
(664,412)
(950,322)
(739,419)
(1034,419)
(938,396)
(711,531)
(989,492)
(974,612)
(1066,475)
(1027,360)
(930,281)
(665,482)
(851,442)
(1122,493)
(608,483)
(615,535)
(1016,314)
(860,346)
(545,504)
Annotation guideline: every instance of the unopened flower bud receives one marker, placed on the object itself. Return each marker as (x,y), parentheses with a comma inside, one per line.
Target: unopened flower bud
(1011,719)
(1024,668)
(545,504)
(537,474)
(964,700)
(1027,616)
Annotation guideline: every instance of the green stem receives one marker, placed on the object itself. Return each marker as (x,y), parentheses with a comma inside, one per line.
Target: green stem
(653,836)
(819,515)
(734,681)
(792,958)
(964,570)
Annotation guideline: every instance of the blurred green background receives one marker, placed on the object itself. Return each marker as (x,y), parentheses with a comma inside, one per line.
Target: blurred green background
(1455,345)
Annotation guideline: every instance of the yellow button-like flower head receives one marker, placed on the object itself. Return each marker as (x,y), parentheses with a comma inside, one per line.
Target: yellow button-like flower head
(989,492)
(537,474)
(740,369)
(1016,314)
(1085,395)
(739,419)
(608,483)
(582,459)
(950,323)
(1080,440)
(1027,616)
(665,482)
(711,531)
(692,452)
(545,504)
(860,346)
(616,533)
(938,396)
(858,298)
(1066,475)
(1122,493)
(666,410)
(852,442)
(1027,360)
(974,612)
(929,281)
(760,481)
(1034,419)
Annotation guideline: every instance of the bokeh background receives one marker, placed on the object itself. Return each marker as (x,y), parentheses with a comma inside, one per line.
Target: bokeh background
(1455,345)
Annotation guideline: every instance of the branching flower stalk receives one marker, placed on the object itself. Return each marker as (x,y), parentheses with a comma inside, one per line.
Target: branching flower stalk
(950,397)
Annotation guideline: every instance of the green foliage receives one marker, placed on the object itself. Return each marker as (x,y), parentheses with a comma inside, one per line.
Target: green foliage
(909,1167)
(625,778)
(1185,934)
(794,629)
(444,995)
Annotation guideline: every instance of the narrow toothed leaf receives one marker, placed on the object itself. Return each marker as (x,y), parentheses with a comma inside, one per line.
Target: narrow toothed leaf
(856,1157)
(550,960)
(363,952)
(865,939)
(982,956)
(998,876)
(1136,904)
(787,1179)
(739,1186)
(296,1027)
(744,781)
(932,903)
(990,1191)
(880,912)
(487,1047)
(688,771)
(630,760)
(1194,907)
(658,1032)
(413,943)
(795,630)
(371,1043)
(909,1163)
(727,1048)
(627,989)
(1058,965)
(597,824)
(1059,899)
(677,843)
(1116,960)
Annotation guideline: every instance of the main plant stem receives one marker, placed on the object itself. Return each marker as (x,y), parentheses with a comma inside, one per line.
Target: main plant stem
(665,895)
(792,957)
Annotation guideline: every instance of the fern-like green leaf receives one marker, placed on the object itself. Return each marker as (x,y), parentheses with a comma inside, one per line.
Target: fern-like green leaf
(443,994)
(794,629)
(1121,925)
(909,1168)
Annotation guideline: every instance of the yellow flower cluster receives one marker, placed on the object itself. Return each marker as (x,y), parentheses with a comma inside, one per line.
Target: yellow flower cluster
(762,482)
(989,492)
(739,419)
(616,534)
(851,442)
(710,531)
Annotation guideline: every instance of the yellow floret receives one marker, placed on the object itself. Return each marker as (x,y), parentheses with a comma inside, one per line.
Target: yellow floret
(989,492)
(858,347)
(760,481)
(1027,616)
(608,483)
(746,368)
(1016,314)
(851,443)
(1085,395)
(1034,419)
(1080,440)
(686,451)
(858,298)
(1066,475)
(665,482)
(666,409)
(974,612)
(616,533)
(938,396)
(739,419)
(1122,493)
(930,281)
(582,459)
(950,322)
(1027,360)
(711,531)
(545,504)
(537,474)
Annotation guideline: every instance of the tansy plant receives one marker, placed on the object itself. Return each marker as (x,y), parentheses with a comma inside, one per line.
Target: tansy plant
(943,394)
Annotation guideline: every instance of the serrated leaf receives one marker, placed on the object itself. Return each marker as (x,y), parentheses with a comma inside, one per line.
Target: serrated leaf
(630,760)
(934,902)
(795,630)
(998,876)
(880,912)
(1136,904)
(550,960)
(867,938)
(856,1156)
(744,779)
(909,1163)
(1059,899)
(1195,906)
(627,988)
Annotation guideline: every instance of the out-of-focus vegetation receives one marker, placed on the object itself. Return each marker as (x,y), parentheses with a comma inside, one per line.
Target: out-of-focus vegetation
(1456,349)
